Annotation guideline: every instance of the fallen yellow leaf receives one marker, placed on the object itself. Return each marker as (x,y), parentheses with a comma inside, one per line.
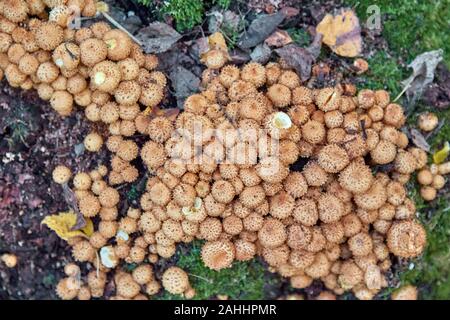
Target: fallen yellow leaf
(217,41)
(440,155)
(341,33)
(63,222)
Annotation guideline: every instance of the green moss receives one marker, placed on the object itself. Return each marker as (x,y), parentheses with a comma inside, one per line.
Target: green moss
(411,26)
(384,73)
(244,280)
(224,4)
(186,13)
(300,36)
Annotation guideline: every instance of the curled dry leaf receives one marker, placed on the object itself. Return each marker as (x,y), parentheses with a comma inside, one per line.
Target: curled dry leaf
(279,38)
(419,140)
(260,29)
(158,37)
(184,83)
(72,202)
(63,224)
(301,59)
(424,66)
(342,33)
(261,53)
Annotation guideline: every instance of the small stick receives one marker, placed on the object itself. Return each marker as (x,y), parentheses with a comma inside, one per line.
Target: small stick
(119,26)
(200,277)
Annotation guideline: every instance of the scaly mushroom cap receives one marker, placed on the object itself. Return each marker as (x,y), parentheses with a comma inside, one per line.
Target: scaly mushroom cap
(126,286)
(214,59)
(406,239)
(14,10)
(83,251)
(61,174)
(93,51)
(272,234)
(105,76)
(356,177)
(280,95)
(255,73)
(151,94)
(228,75)
(218,254)
(119,44)
(333,158)
(49,35)
(153,155)
(160,129)
(67,288)
(175,280)
(67,56)
(62,102)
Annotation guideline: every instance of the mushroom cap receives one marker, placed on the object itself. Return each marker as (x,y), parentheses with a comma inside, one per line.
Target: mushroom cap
(255,73)
(218,254)
(93,51)
(47,72)
(405,162)
(330,207)
(214,59)
(67,288)
(314,174)
(406,239)
(89,205)
(14,10)
(305,212)
(126,286)
(28,64)
(49,35)
(332,158)
(270,169)
(62,102)
(223,191)
(61,174)
(313,132)
(128,150)
(360,244)
(210,229)
(196,104)
(67,56)
(93,142)
(245,250)
(252,197)
(228,75)
(280,95)
(281,205)
(272,234)
(105,76)
(82,181)
(118,43)
(153,155)
(295,184)
(289,78)
(83,251)
(151,94)
(356,177)
(175,280)
(384,152)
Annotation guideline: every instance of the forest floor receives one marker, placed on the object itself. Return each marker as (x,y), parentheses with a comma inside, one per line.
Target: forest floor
(33,140)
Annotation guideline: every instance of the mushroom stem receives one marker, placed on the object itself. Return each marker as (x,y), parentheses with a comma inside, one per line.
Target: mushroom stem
(119,26)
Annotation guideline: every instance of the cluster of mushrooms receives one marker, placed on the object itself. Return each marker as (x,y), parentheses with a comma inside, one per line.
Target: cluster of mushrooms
(256,165)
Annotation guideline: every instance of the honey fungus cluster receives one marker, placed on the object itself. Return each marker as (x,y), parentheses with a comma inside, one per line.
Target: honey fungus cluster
(257,163)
